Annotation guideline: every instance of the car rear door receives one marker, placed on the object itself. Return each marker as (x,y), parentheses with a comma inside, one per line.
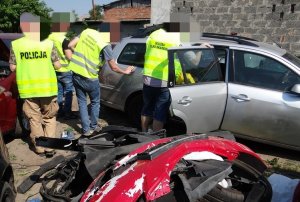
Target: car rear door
(116,87)
(259,105)
(198,89)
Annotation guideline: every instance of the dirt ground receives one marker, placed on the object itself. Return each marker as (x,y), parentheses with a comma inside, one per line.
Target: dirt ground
(25,162)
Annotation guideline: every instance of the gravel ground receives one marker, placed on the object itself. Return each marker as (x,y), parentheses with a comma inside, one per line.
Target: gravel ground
(25,162)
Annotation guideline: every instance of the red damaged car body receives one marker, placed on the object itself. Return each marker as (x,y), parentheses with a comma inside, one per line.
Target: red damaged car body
(8,104)
(8,87)
(146,173)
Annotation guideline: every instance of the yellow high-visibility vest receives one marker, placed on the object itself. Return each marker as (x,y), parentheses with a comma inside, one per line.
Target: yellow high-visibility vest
(85,58)
(156,56)
(179,78)
(58,39)
(35,72)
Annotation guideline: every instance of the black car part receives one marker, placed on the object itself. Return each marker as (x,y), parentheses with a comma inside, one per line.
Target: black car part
(238,39)
(33,178)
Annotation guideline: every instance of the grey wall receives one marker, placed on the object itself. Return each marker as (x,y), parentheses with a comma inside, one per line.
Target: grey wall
(160,11)
(264,20)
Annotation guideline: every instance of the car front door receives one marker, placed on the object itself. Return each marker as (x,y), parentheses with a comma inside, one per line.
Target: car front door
(197,88)
(260,105)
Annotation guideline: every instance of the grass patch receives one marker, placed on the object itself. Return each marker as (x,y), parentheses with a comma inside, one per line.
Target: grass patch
(287,168)
(12,157)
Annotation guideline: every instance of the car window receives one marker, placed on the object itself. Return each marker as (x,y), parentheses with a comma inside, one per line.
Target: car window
(221,54)
(133,54)
(194,66)
(262,71)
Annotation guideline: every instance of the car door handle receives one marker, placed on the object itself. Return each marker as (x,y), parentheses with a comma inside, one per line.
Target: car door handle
(240,98)
(185,100)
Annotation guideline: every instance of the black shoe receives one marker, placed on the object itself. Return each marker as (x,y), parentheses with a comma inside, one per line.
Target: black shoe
(41,154)
(60,115)
(70,116)
(50,154)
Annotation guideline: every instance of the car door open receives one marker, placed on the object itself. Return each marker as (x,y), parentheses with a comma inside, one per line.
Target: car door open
(197,88)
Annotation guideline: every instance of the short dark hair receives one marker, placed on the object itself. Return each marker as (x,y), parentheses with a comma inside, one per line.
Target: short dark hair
(171,26)
(29,17)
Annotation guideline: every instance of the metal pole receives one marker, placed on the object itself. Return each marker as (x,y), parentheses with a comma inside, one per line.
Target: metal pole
(94,11)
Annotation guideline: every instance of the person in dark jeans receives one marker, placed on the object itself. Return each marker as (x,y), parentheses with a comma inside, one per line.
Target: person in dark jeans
(65,90)
(89,54)
(60,25)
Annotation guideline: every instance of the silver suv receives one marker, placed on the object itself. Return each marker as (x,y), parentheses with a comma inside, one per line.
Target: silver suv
(241,85)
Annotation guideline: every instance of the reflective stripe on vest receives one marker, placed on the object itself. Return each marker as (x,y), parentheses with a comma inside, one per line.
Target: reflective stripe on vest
(58,39)
(35,72)
(86,57)
(156,56)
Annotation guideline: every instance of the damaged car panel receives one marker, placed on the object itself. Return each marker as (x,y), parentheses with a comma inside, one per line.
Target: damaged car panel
(156,172)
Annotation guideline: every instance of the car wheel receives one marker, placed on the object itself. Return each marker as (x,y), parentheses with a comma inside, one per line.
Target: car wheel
(22,122)
(7,193)
(18,129)
(22,125)
(134,109)
(218,194)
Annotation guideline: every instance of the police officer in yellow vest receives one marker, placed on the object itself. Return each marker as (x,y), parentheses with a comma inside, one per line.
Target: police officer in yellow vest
(156,95)
(60,25)
(89,53)
(34,62)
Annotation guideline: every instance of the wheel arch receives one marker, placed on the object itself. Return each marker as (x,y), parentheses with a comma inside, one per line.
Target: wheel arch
(130,97)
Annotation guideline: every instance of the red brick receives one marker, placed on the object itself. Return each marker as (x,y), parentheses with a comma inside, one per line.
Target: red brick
(120,14)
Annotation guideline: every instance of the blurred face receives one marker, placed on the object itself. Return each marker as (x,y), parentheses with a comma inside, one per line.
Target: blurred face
(30,27)
(60,27)
(31,30)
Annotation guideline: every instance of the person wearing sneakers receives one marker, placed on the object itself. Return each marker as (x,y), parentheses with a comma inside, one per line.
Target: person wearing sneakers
(60,25)
(34,62)
(89,54)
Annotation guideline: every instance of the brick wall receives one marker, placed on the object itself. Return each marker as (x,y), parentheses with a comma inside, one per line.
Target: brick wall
(117,14)
(264,20)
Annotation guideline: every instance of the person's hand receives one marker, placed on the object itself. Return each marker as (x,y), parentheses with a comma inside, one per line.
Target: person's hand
(129,70)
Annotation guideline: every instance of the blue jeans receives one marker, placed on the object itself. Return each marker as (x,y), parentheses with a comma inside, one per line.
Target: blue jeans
(83,87)
(65,87)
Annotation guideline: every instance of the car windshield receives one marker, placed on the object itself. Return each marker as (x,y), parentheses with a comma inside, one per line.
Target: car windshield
(293,59)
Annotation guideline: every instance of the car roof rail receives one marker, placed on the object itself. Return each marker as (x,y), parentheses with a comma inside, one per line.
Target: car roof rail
(239,39)
(144,32)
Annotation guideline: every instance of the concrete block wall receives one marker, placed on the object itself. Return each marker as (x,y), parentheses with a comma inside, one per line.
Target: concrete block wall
(264,20)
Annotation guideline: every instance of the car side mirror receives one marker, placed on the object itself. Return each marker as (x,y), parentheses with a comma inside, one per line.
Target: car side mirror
(295,89)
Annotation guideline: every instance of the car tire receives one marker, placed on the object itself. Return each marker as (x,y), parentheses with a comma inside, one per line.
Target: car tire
(18,129)
(134,108)
(220,194)
(7,193)
(22,123)
(22,126)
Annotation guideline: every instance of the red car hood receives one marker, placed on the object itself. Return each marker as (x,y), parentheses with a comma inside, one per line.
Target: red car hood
(146,171)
